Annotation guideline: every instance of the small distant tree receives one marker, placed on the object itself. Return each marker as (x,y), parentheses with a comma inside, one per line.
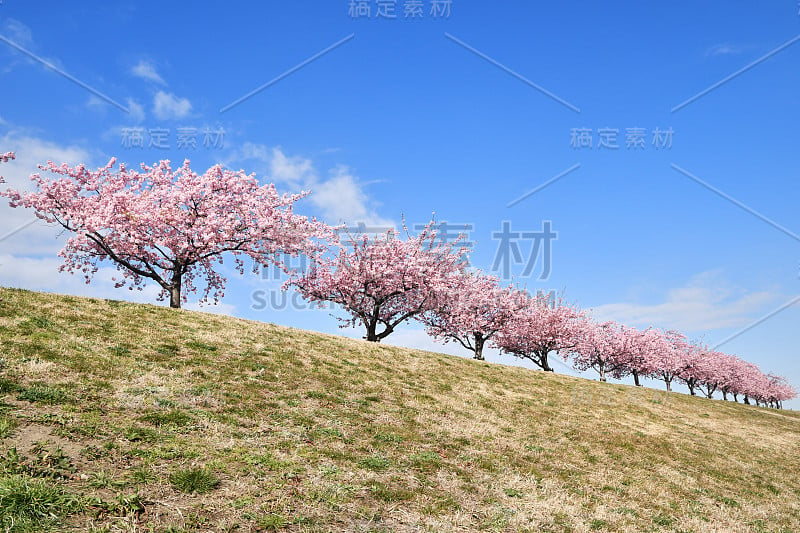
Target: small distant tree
(779,391)
(168,226)
(729,375)
(642,343)
(695,365)
(667,355)
(472,310)
(710,372)
(385,281)
(606,347)
(541,327)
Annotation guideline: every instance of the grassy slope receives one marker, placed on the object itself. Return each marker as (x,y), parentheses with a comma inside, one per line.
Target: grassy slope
(105,400)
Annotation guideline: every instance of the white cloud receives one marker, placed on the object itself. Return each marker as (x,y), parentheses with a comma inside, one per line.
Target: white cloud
(136,110)
(723,49)
(41,274)
(20,34)
(30,152)
(167,106)
(95,103)
(292,170)
(705,303)
(340,198)
(147,71)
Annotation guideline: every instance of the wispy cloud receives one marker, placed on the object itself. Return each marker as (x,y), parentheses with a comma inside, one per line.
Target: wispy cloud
(18,32)
(41,274)
(339,198)
(705,303)
(342,198)
(32,151)
(137,113)
(22,36)
(167,106)
(294,171)
(724,49)
(147,71)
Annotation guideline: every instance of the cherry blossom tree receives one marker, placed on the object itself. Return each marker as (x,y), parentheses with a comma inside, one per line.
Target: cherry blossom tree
(642,345)
(7,156)
(709,371)
(599,346)
(779,391)
(386,281)
(171,227)
(472,310)
(667,355)
(728,375)
(615,349)
(693,370)
(542,326)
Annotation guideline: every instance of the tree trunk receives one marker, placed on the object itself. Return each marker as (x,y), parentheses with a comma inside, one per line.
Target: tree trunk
(735,397)
(746,400)
(371,336)
(636,378)
(175,288)
(543,362)
(602,373)
(479,342)
(724,395)
(669,384)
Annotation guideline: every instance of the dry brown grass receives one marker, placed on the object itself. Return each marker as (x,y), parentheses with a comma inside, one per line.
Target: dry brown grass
(312,432)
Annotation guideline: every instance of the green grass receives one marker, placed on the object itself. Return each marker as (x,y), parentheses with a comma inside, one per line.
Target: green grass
(30,504)
(171,420)
(7,426)
(43,393)
(175,419)
(194,480)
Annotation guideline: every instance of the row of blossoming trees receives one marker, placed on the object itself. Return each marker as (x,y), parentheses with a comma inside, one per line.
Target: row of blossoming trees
(383,282)
(173,227)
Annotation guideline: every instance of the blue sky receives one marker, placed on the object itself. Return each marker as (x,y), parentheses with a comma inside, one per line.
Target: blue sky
(461,114)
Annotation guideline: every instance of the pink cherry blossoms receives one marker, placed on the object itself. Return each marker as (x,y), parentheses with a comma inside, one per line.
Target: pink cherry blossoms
(168,226)
(173,227)
(472,310)
(540,328)
(668,356)
(381,283)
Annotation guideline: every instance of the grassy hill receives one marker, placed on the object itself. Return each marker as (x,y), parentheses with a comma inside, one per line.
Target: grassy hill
(125,417)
